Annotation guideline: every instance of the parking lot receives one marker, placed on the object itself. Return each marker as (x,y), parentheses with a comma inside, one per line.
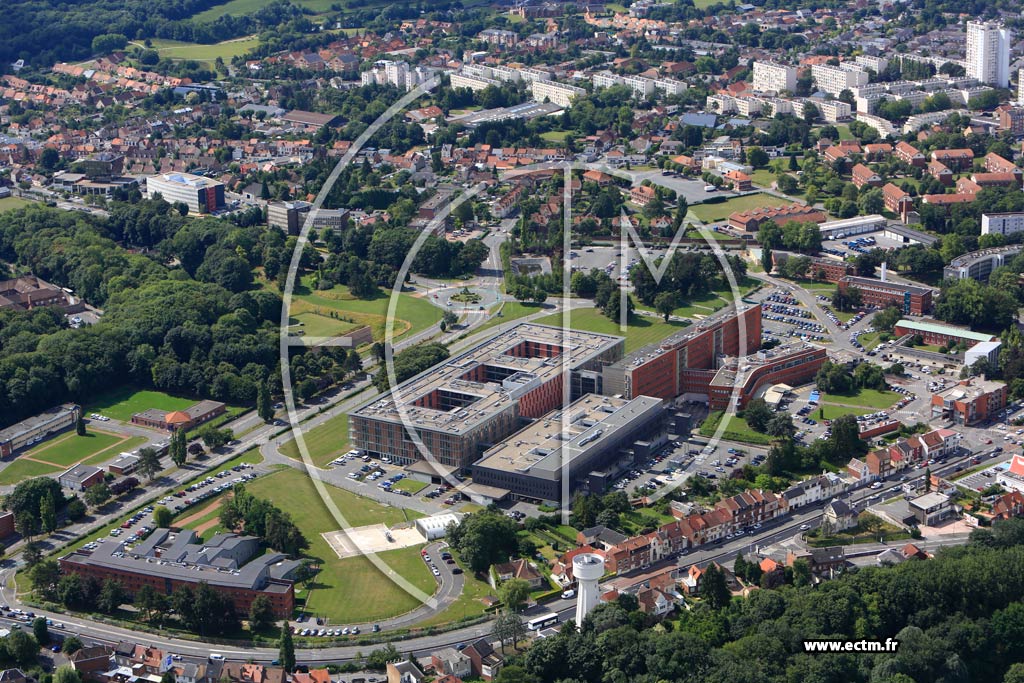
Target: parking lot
(869,240)
(783,317)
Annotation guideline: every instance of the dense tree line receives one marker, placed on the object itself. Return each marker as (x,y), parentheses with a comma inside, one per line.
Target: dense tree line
(483,538)
(411,362)
(834,378)
(688,274)
(262,518)
(953,615)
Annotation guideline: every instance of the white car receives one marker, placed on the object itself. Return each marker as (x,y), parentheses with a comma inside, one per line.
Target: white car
(567,594)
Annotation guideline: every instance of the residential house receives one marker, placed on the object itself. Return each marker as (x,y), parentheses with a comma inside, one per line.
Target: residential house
(90,660)
(739,181)
(822,561)
(642,195)
(941,172)
(404,671)
(1008,505)
(896,200)
(486,661)
(772,573)
(244,672)
(600,536)
(517,569)
(449,661)
(956,159)
(839,516)
(862,175)
(909,154)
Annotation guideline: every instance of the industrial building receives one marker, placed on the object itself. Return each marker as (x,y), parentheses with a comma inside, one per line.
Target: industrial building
(166,560)
(199,194)
(848,227)
(685,363)
(589,443)
(740,378)
(479,397)
(911,299)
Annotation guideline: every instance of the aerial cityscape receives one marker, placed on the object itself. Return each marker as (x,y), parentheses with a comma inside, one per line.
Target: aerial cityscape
(532,341)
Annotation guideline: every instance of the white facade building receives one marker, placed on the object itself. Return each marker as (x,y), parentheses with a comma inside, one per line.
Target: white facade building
(772,77)
(1002,223)
(988,52)
(836,79)
(474,83)
(1020,85)
(556,93)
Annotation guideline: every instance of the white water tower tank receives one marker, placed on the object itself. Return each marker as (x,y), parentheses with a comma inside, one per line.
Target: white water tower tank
(588,569)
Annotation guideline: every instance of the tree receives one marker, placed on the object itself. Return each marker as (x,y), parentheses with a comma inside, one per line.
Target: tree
(766,259)
(286,648)
(448,320)
(41,631)
(48,513)
(32,554)
(66,674)
(801,573)
(162,517)
(514,594)
(484,538)
(97,494)
(108,42)
(26,524)
(149,463)
(111,596)
(757,158)
(75,508)
(714,589)
(261,614)
(49,158)
(871,202)
(264,406)
(72,644)
(21,648)
(757,414)
(179,448)
(80,426)
(215,438)
(665,303)
(509,628)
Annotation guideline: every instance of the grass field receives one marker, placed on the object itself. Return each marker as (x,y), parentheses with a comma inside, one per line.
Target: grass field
(173,49)
(325,441)
(350,590)
(844,132)
(763,177)
(864,398)
(121,404)
(736,430)
(240,8)
(412,314)
(709,213)
(869,340)
(641,331)
(66,450)
(410,485)
(12,203)
(555,135)
(827,411)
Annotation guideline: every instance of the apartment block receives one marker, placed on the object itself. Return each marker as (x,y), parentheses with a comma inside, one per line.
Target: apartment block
(835,79)
(911,299)
(556,93)
(1002,223)
(970,401)
(772,77)
(199,194)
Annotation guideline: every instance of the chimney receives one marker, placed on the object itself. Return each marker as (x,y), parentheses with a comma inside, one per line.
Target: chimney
(885,270)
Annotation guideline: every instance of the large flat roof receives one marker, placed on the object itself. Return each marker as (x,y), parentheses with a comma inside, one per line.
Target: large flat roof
(586,424)
(461,393)
(875,282)
(937,328)
(726,375)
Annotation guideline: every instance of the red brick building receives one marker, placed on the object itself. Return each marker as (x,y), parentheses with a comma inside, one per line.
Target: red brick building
(685,362)
(911,299)
(862,175)
(909,154)
(955,159)
(970,401)
(750,221)
(792,364)
(896,200)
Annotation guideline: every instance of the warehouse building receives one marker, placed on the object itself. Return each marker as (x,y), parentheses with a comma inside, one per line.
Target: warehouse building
(479,397)
(586,446)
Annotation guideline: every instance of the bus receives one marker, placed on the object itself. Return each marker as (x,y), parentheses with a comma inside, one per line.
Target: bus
(537,623)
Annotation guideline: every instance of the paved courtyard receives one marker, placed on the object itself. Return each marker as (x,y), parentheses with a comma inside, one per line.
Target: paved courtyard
(371,539)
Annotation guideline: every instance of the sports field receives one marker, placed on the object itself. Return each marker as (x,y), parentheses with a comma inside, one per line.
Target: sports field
(325,441)
(174,49)
(12,203)
(121,404)
(709,213)
(642,329)
(67,449)
(864,398)
(350,590)
(412,314)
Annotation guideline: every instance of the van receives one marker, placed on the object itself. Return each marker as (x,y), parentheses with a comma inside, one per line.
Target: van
(568,594)
(710,188)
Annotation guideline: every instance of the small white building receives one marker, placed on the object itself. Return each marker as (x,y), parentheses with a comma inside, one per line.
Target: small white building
(436,527)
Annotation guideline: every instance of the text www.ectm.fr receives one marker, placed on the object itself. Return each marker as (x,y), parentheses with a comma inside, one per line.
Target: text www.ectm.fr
(888,645)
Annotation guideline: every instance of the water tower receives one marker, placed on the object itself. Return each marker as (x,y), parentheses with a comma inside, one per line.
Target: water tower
(588,569)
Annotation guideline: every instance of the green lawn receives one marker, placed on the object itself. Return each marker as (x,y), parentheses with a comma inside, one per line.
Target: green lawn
(325,442)
(763,177)
(865,398)
(25,469)
(319,325)
(555,135)
(174,49)
(412,314)
(869,340)
(467,605)
(843,315)
(709,213)
(736,429)
(411,485)
(827,411)
(121,404)
(350,590)
(12,203)
(233,7)
(642,329)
